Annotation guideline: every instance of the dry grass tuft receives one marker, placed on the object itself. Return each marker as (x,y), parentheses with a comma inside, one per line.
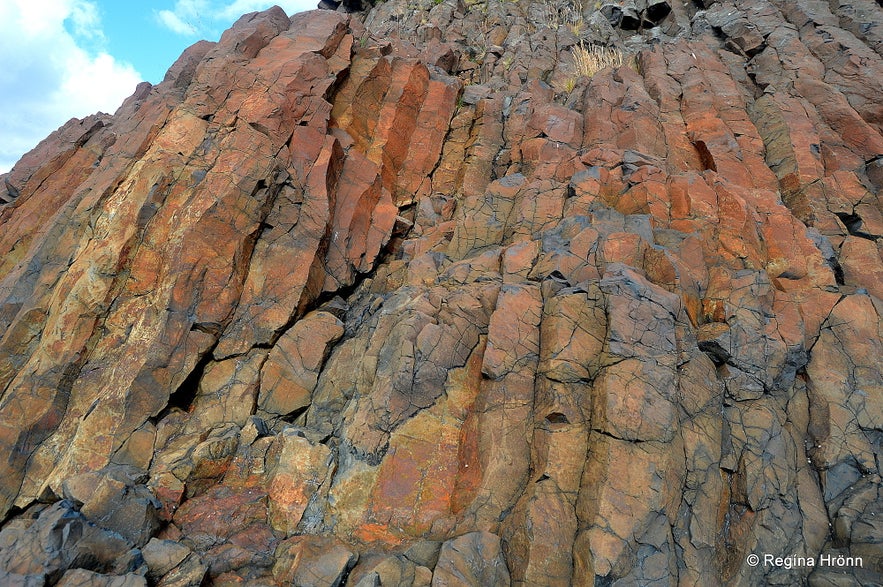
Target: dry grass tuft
(589,60)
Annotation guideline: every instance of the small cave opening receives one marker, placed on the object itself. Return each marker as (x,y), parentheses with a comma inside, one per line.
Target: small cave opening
(184,396)
(557,420)
(705,156)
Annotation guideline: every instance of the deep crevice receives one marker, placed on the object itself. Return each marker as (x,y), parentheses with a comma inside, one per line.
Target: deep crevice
(839,278)
(185,395)
(344,292)
(292,416)
(853,224)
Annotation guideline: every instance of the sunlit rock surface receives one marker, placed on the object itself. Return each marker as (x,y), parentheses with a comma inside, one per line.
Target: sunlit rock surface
(400,298)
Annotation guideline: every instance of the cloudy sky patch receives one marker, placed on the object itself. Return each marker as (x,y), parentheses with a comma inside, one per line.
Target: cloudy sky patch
(208,18)
(61,59)
(53,68)
(175,23)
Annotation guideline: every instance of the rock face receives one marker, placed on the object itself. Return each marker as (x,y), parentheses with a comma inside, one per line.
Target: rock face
(402,298)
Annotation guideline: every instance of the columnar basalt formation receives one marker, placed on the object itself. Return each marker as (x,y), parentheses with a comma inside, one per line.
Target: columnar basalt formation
(402,298)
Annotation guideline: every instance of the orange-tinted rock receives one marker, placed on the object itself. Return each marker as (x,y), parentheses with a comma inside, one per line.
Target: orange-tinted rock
(303,469)
(230,529)
(862,264)
(401,297)
(292,368)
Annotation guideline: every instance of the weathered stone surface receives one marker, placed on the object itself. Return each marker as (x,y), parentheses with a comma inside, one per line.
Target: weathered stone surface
(190,573)
(16,580)
(312,560)
(303,470)
(229,528)
(291,372)
(161,556)
(49,542)
(385,570)
(405,297)
(84,578)
(472,559)
(127,510)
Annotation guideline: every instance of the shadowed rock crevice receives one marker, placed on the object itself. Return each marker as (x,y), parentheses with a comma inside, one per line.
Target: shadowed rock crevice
(183,397)
(414,296)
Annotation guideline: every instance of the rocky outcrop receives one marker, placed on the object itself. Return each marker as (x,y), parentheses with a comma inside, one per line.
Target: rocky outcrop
(408,298)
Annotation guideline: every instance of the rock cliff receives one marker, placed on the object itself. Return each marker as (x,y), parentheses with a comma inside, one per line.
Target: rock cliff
(415,296)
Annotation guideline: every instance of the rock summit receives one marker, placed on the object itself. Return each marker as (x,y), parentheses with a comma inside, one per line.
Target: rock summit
(458,292)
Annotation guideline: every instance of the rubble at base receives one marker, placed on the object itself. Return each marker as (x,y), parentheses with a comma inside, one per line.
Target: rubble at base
(401,298)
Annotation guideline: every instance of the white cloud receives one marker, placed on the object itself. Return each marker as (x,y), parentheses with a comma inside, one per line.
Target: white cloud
(47,73)
(240,7)
(187,18)
(87,23)
(205,18)
(175,23)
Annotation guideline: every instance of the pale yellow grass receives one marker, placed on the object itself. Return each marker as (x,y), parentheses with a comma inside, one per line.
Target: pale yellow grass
(589,60)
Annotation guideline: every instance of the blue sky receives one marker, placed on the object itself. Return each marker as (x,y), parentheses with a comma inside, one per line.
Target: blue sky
(70,58)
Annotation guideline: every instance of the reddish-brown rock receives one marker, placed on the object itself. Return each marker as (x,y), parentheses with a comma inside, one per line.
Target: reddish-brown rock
(403,298)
